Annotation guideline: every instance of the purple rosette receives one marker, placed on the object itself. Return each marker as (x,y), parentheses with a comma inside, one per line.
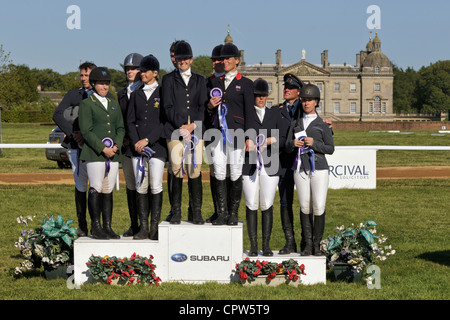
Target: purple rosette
(215,92)
(147,153)
(189,146)
(109,143)
(304,150)
(260,141)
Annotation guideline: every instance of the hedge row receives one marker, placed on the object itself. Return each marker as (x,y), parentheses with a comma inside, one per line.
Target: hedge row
(16,116)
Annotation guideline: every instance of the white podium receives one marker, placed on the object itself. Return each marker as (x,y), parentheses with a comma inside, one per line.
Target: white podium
(188,253)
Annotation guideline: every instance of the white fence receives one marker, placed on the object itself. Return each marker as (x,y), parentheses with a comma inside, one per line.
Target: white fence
(57,145)
(351,167)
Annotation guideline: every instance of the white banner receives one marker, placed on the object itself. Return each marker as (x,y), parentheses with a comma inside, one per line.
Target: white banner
(353,168)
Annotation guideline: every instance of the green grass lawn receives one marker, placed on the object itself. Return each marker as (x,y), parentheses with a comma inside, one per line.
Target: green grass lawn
(413,214)
(34,160)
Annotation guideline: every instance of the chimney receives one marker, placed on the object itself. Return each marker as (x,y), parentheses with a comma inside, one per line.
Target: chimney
(324,58)
(241,62)
(278,58)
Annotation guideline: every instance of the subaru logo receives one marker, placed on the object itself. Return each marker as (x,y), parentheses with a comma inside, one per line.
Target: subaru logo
(179,257)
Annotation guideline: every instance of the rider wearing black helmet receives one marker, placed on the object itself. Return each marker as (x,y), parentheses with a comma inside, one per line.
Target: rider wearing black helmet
(131,69)
(310,138)
(102,127)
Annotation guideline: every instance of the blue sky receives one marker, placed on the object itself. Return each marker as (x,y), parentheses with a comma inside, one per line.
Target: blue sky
(413,33)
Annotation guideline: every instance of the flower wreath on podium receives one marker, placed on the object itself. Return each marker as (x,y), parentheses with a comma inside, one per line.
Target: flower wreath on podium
(249,270)
(133,270)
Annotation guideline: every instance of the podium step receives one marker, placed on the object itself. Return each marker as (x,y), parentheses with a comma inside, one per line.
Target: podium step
(188,253)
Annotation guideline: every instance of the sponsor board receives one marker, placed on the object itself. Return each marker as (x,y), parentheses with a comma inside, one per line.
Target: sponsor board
(352,168)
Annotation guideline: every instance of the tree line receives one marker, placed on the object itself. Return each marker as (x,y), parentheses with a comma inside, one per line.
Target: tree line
(424,91)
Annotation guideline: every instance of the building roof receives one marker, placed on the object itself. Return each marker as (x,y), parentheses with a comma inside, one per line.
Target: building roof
(376,59)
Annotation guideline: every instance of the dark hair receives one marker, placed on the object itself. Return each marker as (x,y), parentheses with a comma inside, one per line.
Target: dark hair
(87,65)
(172,46)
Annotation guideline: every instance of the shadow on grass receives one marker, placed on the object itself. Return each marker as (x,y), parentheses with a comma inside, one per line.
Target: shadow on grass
(441,257)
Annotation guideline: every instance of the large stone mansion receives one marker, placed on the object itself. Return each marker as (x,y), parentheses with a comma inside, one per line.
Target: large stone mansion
(361,92)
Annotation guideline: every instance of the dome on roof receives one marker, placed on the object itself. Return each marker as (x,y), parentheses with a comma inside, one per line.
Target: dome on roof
(369,45)
(376,59)
(228,38)
(376,39)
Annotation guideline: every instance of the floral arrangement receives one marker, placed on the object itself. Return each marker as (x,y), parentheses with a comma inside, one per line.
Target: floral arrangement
(135,269)
(358,246)
(248,270)
(50,245)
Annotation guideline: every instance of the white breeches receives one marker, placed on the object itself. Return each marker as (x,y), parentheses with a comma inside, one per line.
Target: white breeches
(96,173)
(231,158)
(151,173)
(313,184)
(79,170)
(259,190)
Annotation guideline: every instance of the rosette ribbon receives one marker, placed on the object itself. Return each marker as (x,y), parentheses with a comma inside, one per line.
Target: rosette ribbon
(109,143)
(302,150)
(260,141)
(222,111)
(189,146)
(146,155)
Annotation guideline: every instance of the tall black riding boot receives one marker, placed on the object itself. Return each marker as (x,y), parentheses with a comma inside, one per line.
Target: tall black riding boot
(190,213)
(80,205)
(212,185)
(142,210)
(311,221)
(177,189)
(319,226)
(288,228)
(229,185)
(252,224)
(169,188)
(197,198)
(95,211)
(221,198)
(307,233)
(155,215)
(267,222)
(132,210)
(235,197)
(107,210)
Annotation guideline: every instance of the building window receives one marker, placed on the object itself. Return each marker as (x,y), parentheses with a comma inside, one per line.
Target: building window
(337,86)
(352,87)
(352,107)
(270,86)
(377,105)
(377,87)
(337,107)
(269,104)
(377,70)
(370,107)
(383,107)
